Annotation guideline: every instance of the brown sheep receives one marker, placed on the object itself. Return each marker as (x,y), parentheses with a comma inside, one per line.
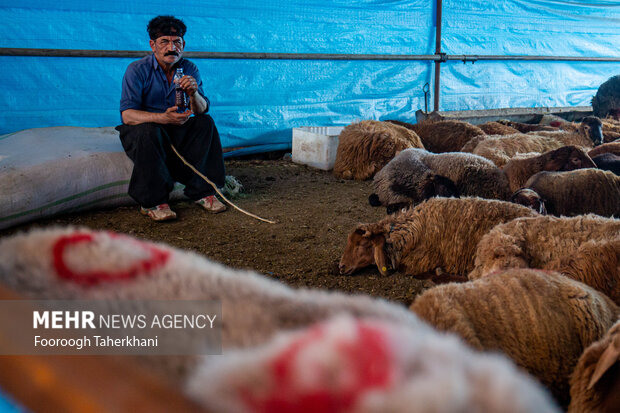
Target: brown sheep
(588,133)
(585,248)
(500,149)
(611,129)
(582,191)
(526,127)
(497,128)
(443,135)
(439,233)
(365,147)
(567,158)
(611,147)
(542,320)
(530,199)
(595,384)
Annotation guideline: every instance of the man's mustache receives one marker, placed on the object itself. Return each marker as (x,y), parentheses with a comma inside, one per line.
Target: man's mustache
(171,53)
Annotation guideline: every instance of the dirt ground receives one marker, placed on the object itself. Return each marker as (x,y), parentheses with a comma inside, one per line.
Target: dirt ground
(313,211)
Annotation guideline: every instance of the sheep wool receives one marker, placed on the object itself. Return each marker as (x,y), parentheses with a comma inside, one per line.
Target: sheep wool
(585,248)
(595,383)
(500,149)
(567,158)
(365,147)
(541,320)
(446,135)
(582,191)
(439,233)
(496,128)
(611,147)
(77,263)
(364,365)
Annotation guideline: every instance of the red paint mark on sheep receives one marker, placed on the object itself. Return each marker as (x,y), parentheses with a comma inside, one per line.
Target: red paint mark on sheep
(368,355)
(157,258)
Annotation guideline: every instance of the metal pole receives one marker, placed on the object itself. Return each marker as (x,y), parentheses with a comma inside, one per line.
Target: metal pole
(437,53)
(6,51)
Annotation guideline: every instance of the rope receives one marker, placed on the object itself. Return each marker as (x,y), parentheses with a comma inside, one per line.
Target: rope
(216,189)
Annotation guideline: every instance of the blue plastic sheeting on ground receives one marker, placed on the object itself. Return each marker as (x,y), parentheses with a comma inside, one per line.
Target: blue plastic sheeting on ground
(258,102)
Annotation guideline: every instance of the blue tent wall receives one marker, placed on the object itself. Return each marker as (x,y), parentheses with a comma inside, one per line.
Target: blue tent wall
(257,102)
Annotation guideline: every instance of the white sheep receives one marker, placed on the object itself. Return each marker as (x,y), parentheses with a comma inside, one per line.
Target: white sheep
(595,383)
(585,248)
(581,191)
(541,320)
(77,263)
(364,365)
(365,147)
(439,233)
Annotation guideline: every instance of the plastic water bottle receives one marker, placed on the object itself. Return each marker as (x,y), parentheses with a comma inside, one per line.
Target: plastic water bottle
(180,95)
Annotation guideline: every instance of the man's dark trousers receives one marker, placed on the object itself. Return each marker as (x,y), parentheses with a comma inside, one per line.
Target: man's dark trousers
(156,166)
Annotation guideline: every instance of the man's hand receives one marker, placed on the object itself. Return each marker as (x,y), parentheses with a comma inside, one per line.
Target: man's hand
(172,117)
(189,85)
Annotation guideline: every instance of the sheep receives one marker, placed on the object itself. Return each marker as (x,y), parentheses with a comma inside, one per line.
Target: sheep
(416,174)
(77,263)
(585,248)
(611,129)
(608,162)
(577,192)
(610,147)
(444,135)
(497,128)
(530,199)
(526,127)
(363,365)
(438,233)
(541,320)
(500,149)
(606,101)
(566,158)
(587,133)
(595,383)
(365,147)
(406,180)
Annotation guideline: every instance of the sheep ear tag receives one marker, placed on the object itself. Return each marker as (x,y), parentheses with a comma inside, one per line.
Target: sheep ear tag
(378,242)
(610,356)
(92,258)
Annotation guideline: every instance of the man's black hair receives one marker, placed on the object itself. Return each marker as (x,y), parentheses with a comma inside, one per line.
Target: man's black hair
(165,26)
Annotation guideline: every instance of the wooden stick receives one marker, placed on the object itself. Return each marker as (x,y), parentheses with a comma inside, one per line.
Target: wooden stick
(216,189)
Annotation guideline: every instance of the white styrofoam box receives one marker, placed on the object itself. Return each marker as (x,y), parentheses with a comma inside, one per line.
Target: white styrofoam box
(316,146)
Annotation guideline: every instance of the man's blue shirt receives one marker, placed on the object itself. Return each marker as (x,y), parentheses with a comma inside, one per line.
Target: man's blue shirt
(145,86)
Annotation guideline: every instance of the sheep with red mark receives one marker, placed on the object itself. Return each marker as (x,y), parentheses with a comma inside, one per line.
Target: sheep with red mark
(364,365)
(582,191)
(543,321)
(595,383)
(365,147)
(567,158)
(585,248)
(77,263)
(440,233)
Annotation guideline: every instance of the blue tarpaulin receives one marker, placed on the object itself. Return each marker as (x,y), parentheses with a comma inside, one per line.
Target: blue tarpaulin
(258,101)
